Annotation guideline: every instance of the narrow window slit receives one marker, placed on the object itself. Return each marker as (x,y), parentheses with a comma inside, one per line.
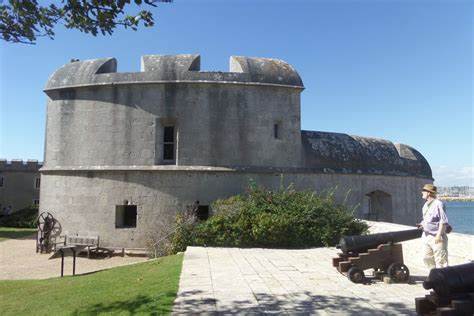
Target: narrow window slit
(168,143)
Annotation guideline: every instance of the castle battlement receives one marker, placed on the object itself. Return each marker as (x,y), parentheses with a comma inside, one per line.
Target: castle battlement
(175,68)
(20,165)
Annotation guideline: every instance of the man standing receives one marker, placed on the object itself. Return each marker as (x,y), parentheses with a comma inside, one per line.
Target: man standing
(435,222)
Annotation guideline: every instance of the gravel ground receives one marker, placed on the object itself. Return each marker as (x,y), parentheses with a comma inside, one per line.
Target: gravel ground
(19,260)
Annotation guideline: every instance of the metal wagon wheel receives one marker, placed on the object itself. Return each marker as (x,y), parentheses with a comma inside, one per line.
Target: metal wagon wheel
(43,219)
(48,229)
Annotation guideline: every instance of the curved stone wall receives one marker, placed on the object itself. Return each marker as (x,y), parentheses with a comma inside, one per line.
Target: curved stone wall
(218,125)
(84,201)
(105,143)
(175,68)
(342,153)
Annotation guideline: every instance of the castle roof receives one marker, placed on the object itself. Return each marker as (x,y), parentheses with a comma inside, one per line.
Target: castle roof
(175,68)
(342,153)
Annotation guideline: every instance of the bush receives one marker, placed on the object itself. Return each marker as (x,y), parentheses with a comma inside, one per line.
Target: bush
(163,242)
(283,219)
(25,218)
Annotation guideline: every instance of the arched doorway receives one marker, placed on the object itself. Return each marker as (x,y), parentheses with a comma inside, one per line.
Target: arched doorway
(380,206)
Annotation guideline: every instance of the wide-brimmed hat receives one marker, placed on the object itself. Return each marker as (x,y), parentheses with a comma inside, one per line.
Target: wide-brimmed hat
(429,188)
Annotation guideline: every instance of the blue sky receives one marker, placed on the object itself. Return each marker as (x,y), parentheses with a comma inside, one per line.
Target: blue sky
(398,70)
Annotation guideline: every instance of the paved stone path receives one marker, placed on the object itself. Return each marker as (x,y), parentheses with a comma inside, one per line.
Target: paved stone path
(273,281)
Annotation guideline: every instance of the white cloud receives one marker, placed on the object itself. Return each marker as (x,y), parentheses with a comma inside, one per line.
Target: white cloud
(453,176)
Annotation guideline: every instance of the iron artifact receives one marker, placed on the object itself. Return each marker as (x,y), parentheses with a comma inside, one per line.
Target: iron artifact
(381,252)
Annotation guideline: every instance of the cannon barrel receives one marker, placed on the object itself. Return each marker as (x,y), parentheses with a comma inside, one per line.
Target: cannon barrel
(363,243)
(451,280)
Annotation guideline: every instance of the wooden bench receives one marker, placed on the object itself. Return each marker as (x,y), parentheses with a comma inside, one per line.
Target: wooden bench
(88,242)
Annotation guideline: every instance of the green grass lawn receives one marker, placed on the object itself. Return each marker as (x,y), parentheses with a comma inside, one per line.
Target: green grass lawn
(145,288)
(12,232)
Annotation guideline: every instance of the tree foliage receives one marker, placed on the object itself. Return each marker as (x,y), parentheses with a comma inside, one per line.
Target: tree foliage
(22,21)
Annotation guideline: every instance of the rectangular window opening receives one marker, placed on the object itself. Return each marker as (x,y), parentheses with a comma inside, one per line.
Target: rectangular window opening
(125,216)
(37,183)
(202,212)
(276,131)
(1,181)
(168,143)
(36,202)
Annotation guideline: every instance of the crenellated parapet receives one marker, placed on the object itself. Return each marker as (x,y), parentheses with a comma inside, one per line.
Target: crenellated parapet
(175,68)
(20,165)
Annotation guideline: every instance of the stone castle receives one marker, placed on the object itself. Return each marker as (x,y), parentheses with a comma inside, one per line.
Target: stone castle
(19,184)
(126,151)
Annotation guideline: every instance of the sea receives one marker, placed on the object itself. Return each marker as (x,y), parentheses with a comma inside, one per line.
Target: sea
(461,216)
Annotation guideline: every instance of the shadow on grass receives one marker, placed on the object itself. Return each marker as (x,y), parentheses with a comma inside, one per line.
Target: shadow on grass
(141,304)
(17,233)
(301,303)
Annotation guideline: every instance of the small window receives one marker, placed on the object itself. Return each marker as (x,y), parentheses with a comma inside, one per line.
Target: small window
(37,183)
(36,202)
(168,143)
(1,181)
(276,131)
(125,216)
(202,212)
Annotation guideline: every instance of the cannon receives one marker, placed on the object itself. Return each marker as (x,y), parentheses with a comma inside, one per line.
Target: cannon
(452,292)
(381,252)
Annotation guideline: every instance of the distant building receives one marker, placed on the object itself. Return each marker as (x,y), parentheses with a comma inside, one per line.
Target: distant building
(126,151)
(19,184)
(456,191)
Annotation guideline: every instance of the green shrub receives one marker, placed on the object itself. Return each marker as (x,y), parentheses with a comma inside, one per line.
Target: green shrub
(276,219)
(184,230)
(25,218)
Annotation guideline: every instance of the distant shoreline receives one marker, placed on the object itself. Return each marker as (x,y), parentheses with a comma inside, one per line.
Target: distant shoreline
(457,198)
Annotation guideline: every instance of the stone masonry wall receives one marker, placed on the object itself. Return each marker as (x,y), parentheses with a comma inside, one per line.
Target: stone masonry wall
(18,188)
(84,201)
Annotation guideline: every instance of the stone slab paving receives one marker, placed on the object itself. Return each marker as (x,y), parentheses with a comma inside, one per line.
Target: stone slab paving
(297,282)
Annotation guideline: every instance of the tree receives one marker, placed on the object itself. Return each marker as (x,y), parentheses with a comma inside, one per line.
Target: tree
(22,21)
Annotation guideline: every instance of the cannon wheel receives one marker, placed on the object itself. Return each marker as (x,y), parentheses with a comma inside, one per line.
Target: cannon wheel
(398,272)
(356,275)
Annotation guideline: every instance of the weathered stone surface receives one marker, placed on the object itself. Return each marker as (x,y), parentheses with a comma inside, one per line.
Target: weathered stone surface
(105,144)
(342,153)
(159,68)
(84,201)
(19,180)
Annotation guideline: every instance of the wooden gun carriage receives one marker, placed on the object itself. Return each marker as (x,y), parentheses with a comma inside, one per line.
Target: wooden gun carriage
(452,292)
(381,252)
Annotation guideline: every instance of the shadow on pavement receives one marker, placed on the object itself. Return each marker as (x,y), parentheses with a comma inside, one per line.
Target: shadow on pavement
(301,303)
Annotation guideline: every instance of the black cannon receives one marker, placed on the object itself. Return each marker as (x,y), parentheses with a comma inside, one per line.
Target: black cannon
(381,252)
(356,244)
(453,291)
